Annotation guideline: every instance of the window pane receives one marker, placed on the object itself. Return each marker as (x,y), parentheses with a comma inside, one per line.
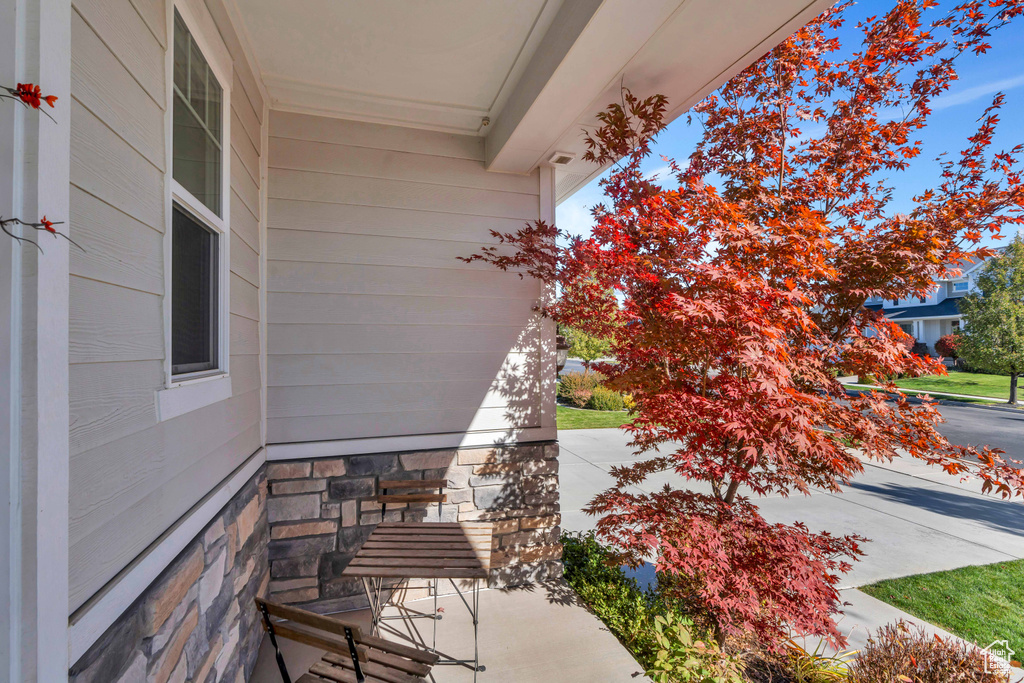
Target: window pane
(193,295)
(181,49)
(197,144)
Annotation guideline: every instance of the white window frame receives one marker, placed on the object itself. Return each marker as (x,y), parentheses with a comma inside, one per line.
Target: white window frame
(186,392)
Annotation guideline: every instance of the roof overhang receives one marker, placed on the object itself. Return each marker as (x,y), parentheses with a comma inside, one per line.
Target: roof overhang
(683,50)
(528,75)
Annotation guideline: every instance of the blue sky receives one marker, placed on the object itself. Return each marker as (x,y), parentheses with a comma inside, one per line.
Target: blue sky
(954,119)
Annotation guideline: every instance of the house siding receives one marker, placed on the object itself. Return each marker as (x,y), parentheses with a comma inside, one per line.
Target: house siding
(198,620)
(375,328)
(132,476)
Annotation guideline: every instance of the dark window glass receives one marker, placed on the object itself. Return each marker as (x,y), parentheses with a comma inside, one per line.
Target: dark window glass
(196,138)
(193,295)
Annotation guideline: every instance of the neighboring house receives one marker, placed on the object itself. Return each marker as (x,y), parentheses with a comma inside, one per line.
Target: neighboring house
(269,312)
(930,317)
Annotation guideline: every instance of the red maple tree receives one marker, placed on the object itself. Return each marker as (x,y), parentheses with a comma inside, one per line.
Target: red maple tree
(733,301)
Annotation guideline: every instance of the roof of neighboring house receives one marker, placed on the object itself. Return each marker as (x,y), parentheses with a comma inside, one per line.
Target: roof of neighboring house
(965,266)
(946,308)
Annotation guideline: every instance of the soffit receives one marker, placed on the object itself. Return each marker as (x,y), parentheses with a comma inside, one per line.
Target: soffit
(442,65)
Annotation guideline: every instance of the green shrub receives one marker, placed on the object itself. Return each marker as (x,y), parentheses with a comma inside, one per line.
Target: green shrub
(605,399)
(898,652)
(576,388)
(681,658)
(657,633)
(617,599)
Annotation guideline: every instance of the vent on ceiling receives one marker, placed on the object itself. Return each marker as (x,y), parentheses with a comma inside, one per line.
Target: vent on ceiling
(561,158)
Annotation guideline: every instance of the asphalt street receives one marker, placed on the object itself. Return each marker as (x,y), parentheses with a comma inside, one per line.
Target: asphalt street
(964,425)
(983,426)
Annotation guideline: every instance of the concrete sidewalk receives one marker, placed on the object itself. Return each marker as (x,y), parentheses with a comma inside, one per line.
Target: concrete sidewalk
(919,519)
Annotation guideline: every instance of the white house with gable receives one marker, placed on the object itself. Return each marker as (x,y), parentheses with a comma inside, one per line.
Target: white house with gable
(928,318)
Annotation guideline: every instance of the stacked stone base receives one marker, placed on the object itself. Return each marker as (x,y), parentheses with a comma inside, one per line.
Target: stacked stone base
(197,622)
(321,511)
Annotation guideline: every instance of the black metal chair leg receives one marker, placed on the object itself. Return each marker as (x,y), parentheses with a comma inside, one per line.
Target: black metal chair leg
(285,678)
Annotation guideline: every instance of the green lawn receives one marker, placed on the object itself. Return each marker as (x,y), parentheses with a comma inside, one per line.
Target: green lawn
(995,386)
(572,418)
(979,604)
(912,392)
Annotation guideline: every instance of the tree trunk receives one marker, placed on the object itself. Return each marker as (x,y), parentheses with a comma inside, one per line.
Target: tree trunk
(719,636)
(1013,388)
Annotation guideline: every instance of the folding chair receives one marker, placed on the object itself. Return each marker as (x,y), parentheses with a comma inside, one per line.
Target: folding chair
(351,656)
(412,492)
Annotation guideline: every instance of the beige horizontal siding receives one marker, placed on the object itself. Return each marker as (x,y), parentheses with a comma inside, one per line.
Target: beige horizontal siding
(375,327)
(395,337)
(290,214)
(384,279)
(286,125)
(400,194)
(355,399)
(133,477)
(376,368)
(435,420)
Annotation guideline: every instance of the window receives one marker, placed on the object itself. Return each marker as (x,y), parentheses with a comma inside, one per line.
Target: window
(922,299)
(959,286)
(908,328)
(197,135)
(194,309)
(197,302)
(955,325)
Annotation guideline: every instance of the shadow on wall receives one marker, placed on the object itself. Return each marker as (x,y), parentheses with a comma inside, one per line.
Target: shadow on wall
(322,511)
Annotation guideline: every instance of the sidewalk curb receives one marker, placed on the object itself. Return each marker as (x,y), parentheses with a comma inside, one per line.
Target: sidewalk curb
(944,402)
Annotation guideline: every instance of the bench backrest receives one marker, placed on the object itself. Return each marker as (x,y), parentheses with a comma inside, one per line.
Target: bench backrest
(411,491)
(330,634)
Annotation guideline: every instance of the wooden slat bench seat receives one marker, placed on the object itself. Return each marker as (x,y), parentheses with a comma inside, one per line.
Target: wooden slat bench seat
(453,551)
(350,657)
(425,551)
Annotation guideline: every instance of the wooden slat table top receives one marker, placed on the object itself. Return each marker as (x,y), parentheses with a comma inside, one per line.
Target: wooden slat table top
(425,550)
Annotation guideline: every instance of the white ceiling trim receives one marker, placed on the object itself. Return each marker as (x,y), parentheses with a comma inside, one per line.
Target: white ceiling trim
(287,93)
(539,28)
(301,97)
(278,81)
(234,15)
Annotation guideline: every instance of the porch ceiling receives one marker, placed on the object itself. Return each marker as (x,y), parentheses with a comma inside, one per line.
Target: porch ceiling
(538,69)
(440,65)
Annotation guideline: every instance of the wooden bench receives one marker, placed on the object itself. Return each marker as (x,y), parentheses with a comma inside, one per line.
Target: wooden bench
(350,657)
(412,491)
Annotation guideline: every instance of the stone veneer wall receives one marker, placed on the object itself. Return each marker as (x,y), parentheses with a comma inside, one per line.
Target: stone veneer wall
(320,511)
(197,622)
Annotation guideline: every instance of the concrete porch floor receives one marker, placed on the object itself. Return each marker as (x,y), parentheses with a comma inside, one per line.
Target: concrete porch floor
(535,634)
